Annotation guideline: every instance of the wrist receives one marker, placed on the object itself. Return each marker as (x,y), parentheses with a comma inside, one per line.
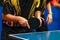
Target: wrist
(50,13)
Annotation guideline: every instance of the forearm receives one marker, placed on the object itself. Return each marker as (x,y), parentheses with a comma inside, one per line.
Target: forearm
(49,16)
(49,8)
(22,21)
(9,17)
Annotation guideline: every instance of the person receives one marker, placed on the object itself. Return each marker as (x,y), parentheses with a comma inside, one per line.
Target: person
(19,11)
(55,6)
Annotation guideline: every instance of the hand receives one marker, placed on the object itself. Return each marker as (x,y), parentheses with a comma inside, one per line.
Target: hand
(40,21)
(23,22)
(49,18)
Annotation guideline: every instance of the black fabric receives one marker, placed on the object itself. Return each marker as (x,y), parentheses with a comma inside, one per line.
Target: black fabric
(4,33)
(7,8)
(25,7)
(42,29)
(13,30)
(41,7)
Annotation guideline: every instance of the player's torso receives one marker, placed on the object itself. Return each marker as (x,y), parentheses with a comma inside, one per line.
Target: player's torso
(25,7)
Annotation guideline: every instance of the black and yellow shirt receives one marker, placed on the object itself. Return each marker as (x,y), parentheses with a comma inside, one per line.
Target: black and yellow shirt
(25,7)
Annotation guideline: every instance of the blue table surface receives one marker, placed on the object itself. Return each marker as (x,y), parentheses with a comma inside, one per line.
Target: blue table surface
(49,35)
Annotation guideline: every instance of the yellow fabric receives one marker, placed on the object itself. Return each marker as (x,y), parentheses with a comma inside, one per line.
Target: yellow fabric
(43,5)
(15,3)
(35,4)
(38,3)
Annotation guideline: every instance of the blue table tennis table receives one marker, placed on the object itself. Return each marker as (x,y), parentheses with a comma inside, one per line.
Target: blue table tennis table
(48,35)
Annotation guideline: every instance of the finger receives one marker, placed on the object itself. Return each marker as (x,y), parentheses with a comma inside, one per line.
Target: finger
(23,25)
(49,21)
(40,23)
(28,25)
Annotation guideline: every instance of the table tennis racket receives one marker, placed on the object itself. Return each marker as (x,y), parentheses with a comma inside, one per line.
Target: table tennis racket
(34,23)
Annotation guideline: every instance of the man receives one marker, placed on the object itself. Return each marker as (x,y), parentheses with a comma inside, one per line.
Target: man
(55,6)
(19,11)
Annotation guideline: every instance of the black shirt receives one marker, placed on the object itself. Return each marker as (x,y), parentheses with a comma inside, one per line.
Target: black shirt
(25,7)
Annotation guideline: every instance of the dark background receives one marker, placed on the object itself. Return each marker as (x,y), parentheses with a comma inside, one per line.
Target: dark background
(0,2)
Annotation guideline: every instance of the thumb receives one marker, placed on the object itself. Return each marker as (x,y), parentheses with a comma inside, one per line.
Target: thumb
(28,25)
